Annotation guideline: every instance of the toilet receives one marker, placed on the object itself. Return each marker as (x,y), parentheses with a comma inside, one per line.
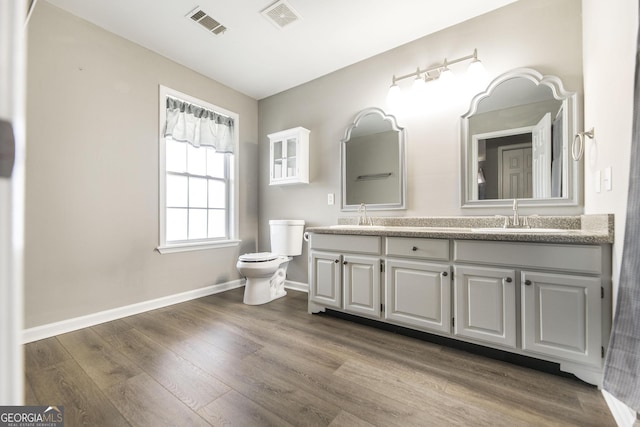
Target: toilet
(265,272)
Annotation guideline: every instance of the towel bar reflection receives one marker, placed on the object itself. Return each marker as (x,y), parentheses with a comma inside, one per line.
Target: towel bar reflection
(373,176)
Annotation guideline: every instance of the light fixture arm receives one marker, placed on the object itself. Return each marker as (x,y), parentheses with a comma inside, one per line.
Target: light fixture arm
(427,71)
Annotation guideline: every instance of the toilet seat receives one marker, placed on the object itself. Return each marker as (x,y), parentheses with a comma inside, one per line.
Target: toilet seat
(258,257)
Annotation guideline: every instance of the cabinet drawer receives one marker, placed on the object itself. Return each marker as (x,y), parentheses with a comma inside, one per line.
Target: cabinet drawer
(578,258)
(409,247)
(345,243)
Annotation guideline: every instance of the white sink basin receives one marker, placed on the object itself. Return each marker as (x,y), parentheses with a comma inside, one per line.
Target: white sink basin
(445,229)
(351,227)
(519,230)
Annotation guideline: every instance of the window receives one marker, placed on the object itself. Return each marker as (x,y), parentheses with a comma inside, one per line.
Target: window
(197,208)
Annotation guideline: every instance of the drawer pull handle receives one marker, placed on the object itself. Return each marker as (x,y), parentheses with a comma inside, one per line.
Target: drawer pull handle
(445,274)
(527,282)
(508,280)
(415,248)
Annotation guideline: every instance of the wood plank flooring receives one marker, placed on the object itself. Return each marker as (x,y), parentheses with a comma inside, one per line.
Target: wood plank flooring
(217,362)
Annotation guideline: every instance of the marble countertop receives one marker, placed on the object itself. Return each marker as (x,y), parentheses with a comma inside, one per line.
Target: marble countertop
(585,229)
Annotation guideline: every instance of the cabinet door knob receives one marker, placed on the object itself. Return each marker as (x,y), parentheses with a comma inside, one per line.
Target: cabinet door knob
(508,280)
(445,274)
(336,261)
(415,248)
(527,282)
(344,262)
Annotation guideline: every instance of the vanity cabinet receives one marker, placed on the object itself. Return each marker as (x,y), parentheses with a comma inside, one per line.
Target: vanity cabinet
(558,292)
(345,273)
(361,284)
(325,286)
(418,290)
(485,304)
(549,301)
(561,316)
(289,157)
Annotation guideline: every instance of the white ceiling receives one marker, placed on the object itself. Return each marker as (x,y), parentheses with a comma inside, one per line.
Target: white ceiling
(258,59)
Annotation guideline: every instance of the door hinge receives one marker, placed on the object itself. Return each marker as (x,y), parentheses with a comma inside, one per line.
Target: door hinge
(602,352)
(453,321)
(381,266)
(602,292)
(382,308)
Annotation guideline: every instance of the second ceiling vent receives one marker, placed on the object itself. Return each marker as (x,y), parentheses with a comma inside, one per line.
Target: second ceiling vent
(206,21)
(281,14)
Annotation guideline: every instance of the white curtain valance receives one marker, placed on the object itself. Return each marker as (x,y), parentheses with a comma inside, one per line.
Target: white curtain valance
(198,126)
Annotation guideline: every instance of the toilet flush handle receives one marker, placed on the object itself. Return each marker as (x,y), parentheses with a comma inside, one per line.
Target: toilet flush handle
(305,236)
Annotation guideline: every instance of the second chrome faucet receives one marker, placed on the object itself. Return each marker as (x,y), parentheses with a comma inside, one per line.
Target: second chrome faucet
(516,220)
(363,219)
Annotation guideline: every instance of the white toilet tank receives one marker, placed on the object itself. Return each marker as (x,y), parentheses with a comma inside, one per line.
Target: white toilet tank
(286,236)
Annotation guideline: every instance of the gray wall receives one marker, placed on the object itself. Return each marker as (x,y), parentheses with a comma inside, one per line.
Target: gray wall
(610,38)
(92,173)
(541,34)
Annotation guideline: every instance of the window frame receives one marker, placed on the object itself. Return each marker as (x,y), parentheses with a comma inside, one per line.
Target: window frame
(231,164)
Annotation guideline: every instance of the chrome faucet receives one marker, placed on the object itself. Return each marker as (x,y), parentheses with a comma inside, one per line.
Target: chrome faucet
(515,222)
(363,219)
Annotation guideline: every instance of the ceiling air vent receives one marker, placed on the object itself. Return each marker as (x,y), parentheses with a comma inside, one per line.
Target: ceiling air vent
(281,14)
(206,21)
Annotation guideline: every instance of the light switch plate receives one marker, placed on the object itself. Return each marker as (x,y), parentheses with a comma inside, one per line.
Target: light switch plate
(607,179)
(330,199)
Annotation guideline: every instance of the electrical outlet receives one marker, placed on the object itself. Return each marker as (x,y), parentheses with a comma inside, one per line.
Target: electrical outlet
(330,199)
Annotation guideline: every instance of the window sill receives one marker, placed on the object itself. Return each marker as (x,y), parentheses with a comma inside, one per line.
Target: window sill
(187,247)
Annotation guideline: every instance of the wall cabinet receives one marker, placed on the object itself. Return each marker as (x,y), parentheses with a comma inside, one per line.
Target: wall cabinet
(548,301)
(289,157)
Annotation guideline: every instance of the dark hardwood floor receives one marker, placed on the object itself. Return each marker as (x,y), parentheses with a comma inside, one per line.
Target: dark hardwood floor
(215,361)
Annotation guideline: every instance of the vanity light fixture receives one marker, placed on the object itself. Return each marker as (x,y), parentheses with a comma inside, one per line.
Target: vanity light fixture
(440,71)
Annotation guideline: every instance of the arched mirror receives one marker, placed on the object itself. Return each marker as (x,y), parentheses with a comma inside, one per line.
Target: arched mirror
(516,141)
(373,162)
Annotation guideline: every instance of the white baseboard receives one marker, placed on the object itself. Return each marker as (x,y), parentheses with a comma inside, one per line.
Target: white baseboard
(624,416)
(296,286)
(64,326)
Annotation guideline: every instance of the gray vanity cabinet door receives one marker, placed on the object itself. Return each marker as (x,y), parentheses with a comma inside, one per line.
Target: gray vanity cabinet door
(485,304)
(361,275)
(561,316)
(418,294)
(325,285)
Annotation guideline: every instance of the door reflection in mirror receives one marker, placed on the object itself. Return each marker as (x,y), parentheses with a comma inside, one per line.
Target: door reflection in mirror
(515,141)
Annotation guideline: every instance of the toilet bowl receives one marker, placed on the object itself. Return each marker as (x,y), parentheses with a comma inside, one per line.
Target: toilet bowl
(266,272)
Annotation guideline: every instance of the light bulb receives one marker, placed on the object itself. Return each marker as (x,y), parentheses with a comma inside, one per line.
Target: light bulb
(477,72)
(446,76)
(418,84)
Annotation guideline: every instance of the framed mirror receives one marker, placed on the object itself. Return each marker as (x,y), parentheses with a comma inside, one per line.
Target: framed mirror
(516,140)
(373,162)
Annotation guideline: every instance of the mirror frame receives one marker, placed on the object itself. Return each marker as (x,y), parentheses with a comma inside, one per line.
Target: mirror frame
(572,120)
(402,159)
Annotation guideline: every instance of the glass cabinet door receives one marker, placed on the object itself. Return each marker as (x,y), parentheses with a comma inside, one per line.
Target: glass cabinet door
(277,160)
(291,157)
